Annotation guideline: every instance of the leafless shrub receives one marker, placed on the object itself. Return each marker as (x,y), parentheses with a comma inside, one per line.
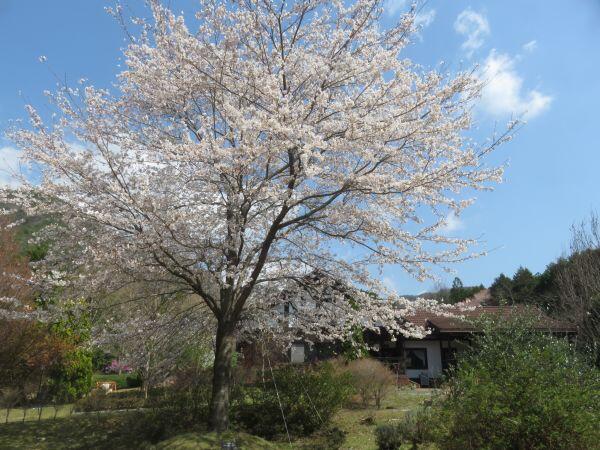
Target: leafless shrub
(578,282)
(372,379)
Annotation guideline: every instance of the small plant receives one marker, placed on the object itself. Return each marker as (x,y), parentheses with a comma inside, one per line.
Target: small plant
(95,401)
(388,437)
(372,380)
(415,428)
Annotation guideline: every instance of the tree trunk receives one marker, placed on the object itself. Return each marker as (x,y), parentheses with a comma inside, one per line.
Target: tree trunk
(222,372)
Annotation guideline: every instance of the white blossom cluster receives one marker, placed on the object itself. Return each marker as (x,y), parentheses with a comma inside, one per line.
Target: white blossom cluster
(237,157)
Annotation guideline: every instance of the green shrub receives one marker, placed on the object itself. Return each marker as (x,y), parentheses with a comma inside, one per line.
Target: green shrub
(388,437)
(72,378)
(415,428)
(519,389)
(133,381)
(308,396)
(100,358)
(183,406)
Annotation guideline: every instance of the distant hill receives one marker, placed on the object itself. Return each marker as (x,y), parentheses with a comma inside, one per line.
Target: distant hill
(27,227)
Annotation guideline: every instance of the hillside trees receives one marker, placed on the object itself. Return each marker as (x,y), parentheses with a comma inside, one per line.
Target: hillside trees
(235,158)
(569,288)
(459,293)
(30,351)
(578,284)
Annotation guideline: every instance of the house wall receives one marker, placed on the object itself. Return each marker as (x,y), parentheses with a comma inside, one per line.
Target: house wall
(298,353)
(434,358)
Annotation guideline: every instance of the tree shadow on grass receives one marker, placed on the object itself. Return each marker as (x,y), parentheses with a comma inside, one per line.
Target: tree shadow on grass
(89,431)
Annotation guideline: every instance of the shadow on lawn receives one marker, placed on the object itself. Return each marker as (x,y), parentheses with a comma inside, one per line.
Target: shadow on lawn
(92,431)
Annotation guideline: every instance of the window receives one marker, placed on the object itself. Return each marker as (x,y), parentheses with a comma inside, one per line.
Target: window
(416,358)
(448,357)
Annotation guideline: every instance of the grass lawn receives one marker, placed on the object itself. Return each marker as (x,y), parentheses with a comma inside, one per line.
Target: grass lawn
(32,414)
(111,430)
(360,433)
(361,436)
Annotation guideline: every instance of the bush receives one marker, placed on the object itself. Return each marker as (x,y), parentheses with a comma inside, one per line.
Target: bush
(372,380)
(133,381)
(388,437)
(117,367)
(416,427)
(519,388)
(309,397)
(72,378)
(98,400)
(100,359)
(183,406)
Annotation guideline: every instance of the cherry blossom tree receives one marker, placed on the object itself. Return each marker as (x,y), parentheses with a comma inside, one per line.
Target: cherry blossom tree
(272,139)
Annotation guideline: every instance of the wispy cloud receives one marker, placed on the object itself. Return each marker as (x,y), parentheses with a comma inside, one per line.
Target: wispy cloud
(503,92)
(475,27)
(425,18)
(390,284)
(452,223)
(393,7)
(530,46)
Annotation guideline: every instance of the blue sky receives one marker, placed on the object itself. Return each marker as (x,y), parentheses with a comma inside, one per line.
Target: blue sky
(542,58)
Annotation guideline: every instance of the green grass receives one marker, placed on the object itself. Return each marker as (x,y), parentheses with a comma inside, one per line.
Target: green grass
(357,423)
(33,414)
(113,430)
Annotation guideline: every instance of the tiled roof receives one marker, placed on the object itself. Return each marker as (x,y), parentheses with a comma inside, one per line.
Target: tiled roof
(477,309)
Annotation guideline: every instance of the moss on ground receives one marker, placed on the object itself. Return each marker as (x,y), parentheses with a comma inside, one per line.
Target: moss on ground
(209,441)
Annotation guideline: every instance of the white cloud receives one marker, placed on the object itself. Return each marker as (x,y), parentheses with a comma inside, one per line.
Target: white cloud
(425,18)
(452,223)
(530,46)
(475,27)
(390,284)
(393,7)
(503,92)
(10,167)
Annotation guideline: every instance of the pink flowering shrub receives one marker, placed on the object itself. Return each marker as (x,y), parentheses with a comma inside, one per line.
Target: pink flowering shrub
(117,366)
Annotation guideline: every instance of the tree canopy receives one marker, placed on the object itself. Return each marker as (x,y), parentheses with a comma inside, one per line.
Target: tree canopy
(236,157)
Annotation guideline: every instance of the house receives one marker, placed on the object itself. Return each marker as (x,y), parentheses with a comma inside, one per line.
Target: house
(418,359)
(427,358)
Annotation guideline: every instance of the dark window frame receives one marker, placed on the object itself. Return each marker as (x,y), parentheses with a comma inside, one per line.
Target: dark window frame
(408,367)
